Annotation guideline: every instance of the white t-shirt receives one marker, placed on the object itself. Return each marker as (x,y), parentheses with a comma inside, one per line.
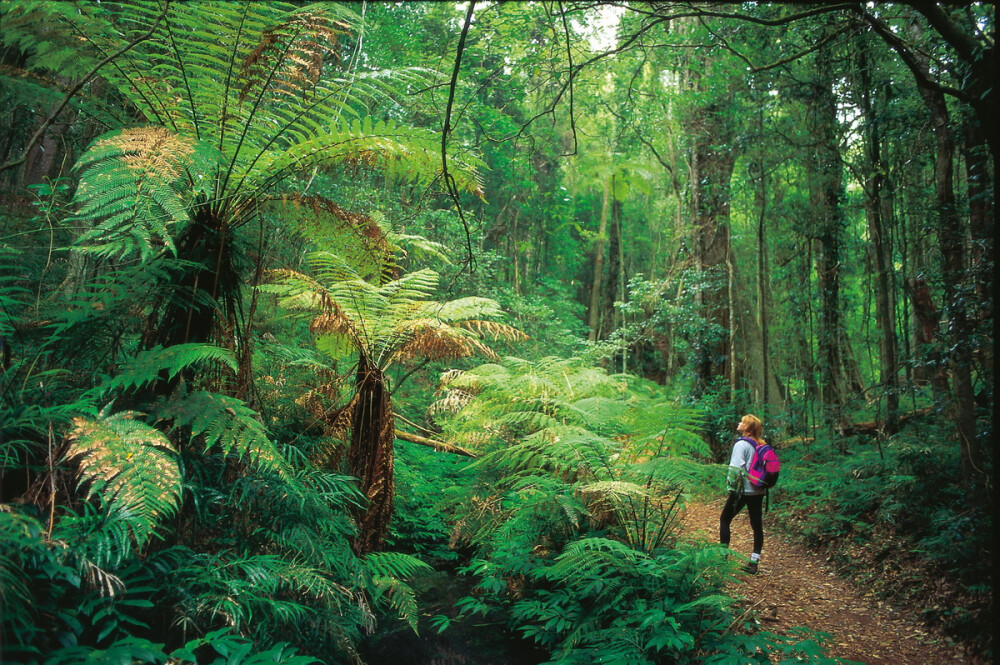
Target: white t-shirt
(742,456)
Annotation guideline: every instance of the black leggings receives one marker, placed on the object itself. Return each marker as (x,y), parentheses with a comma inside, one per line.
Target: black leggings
(755,508)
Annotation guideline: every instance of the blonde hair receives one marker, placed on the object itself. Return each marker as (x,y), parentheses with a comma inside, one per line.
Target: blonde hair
(755,428)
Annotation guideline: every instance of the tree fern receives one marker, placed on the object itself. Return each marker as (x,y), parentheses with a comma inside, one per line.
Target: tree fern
(380,323)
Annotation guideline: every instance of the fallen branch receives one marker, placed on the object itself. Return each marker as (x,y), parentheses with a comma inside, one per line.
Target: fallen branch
(873,427)
(868,428)
(440,446)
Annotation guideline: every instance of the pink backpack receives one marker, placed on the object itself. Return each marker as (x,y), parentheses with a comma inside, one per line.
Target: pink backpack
(764,465)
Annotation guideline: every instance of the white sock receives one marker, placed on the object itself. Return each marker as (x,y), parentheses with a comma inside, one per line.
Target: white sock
(755,556)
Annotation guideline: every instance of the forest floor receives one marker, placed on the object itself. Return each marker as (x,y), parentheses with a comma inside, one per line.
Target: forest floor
(794,587)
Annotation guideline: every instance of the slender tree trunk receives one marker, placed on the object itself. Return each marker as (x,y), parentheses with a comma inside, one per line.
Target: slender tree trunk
(515,250)
(879,211)
(826,197)
(608,319)
(593,316)
(762,281)
(617,268)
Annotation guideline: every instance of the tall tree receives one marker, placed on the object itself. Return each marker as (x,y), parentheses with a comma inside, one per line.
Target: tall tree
(826,195)
(878,209)
(951,240)
(710,125)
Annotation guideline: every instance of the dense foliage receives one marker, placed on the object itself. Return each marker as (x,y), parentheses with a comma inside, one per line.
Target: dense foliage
(305,305)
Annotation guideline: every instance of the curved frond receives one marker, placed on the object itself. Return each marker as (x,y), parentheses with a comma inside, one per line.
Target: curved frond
(356,239)
(146,367)
(390,321)
(226,422)
(135,191)
(19,535)
(408,154)
(399,596)
(131,466)
(261,83)
(435,340)
(580,559)
(394,564)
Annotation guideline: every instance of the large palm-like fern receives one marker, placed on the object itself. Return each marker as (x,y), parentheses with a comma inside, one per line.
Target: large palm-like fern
(600,446)
(383,324)
(230,102)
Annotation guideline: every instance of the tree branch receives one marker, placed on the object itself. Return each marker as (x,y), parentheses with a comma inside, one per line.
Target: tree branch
(910,59)
(76,88)
(569,60)
(449,180)
(440,446)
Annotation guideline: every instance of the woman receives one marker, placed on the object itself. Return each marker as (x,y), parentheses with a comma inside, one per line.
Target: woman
(741,492)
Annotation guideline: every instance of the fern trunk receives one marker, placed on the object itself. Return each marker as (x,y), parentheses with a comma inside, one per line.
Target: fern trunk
(203,289)
(370,457)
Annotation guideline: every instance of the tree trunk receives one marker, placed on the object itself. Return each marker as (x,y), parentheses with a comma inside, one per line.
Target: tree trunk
(980,196)
(608,318)
(762,281)
(711,170)
(927,319)
(826,192)
(951,240)
(878,211)
(593,316)
(370,456)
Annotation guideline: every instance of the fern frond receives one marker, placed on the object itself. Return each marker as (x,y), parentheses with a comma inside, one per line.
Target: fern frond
(289,57)
(392,321)
(58,49)
(472,308)
(134,191)
(616,489)
(419,247)
(436,340)
(590,556)
(146,367)
(408,154)
(357,240)
(495,331)
(394,564)
(20,534)
(227,423)
(400,597)
(246,589)
(602,413)
(132,466)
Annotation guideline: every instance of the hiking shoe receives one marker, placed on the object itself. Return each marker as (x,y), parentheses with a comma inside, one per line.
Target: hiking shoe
(751,567)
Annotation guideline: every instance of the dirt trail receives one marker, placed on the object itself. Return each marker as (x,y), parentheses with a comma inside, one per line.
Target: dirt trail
(794,588)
